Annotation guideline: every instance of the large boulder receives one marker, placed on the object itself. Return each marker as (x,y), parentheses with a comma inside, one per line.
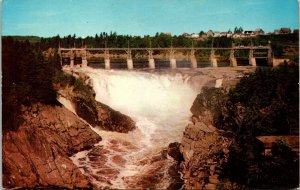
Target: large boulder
(113,120)
(37,154)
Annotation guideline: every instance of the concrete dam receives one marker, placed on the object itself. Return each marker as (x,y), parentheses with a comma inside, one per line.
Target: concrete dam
(155,58)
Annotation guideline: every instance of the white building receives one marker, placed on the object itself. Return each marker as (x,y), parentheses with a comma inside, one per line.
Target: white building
(210,33)
(217,34)
(193,35)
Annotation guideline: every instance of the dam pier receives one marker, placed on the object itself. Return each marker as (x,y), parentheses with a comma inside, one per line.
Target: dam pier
(192,55)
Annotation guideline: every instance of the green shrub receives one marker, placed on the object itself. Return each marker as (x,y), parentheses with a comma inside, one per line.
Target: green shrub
(63,79)
(81,87)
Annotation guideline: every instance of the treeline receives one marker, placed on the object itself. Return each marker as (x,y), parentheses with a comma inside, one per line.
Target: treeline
(263,103)
(104,39)
(27,78)
(112,39)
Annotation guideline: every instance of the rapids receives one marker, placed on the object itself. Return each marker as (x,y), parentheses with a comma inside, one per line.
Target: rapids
(158,103)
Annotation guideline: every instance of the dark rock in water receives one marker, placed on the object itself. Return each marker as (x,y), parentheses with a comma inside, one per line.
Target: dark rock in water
(98,114)
(112,120)
(86,109)
(158,170)
(174,151)
(176,182)
(37,154)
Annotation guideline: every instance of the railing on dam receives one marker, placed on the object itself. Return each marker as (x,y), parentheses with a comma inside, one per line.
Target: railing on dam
(194,56)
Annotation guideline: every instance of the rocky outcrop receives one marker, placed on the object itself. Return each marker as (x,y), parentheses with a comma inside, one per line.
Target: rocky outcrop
(37,154)
(204,150)
(96,113)
(113,120)
(157,172)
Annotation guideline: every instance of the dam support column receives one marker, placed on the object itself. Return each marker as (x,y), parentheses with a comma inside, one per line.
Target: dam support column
(71,62)
(106,60)
(172,60)
(270,58)
(71,59)
(129,64)
(107,63)
(84,62)
(252,60)
(129,60)
(60,56)
(193,59)
(233,62)
(213,59)
(173,63)
(151,62)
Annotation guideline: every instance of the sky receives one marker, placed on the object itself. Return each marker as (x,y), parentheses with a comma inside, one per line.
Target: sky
(83,18)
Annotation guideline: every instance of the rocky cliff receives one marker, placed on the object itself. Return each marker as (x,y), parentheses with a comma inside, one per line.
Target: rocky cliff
(37,154)
(204,147)
(204,150)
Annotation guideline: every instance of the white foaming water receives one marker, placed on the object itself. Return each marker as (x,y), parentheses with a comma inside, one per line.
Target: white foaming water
(159,104)
(67,103)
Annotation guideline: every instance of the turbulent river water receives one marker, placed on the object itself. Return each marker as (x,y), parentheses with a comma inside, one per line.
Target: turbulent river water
(158,103)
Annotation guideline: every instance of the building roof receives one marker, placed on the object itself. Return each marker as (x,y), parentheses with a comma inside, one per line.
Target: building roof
(288,30)
(258,30)
(248,32)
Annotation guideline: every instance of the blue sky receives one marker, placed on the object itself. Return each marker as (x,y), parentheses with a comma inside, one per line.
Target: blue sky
(141,17)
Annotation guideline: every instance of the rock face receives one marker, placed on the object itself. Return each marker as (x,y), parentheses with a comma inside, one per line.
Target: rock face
(112,120)
(37,154)
(204,149)
(96,113)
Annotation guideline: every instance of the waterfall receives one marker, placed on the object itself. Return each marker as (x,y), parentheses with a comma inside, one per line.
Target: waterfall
(158,103)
